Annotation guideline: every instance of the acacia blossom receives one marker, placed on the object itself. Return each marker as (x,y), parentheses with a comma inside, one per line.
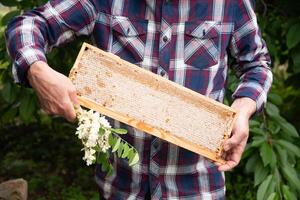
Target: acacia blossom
(93,130)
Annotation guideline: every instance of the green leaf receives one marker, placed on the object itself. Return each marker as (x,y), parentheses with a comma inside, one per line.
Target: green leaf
(258,131)
(296,61)
(271,45)
(286,126)
(27,108)
(272,110)
(283,155)
(289,146)
(101,131)
(44,119)
(9,93)
(267,154)
(278,119)
(289,129)
(251,163)
(134,159)
(272,196)
(271,188)
(9,3)
(4,65)
(260,173)
(104,166)
(112,140)
(293,36)
(125,150)
(273,128)
(120,149)
(288,195)
(257,141)
(291,175)
(116,145)
(9,114)
(103,161)
(262,189)
(130,153)
(9,16)
(253,123)
(248,151)
(119,131)
(102,158)
(275,98)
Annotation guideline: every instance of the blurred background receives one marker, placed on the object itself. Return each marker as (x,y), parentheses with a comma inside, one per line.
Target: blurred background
(45,152)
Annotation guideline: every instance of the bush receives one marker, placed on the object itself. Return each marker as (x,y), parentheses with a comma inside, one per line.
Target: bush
(34,145)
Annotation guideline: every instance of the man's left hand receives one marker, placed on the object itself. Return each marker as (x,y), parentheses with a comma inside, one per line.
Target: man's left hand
(235,145)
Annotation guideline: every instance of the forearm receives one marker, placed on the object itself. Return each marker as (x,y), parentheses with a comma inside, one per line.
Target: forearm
(38,70)
(30,36)
(244,106)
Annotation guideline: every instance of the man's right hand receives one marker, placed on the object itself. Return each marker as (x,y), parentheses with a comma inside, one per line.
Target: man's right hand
(56,93)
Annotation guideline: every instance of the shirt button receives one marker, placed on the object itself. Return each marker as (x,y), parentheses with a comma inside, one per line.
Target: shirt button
(165,38)
(162,73)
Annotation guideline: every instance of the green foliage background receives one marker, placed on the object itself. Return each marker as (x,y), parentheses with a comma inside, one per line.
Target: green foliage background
(45,152)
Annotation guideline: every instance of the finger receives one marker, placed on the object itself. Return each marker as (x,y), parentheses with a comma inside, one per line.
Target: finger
(48,108)
(218,163)
(235,140)
(73,97)
(230,143)
(229,165)
(233,158)
(225,156)
(69,111)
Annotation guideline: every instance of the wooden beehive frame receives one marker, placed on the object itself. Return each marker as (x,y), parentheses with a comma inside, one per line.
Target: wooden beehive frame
(92,56)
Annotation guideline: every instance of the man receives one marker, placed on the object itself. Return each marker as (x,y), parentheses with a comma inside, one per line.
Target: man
(185,41)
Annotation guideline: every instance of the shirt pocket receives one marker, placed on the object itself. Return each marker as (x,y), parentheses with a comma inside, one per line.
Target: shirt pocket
(129,38)
(202,44)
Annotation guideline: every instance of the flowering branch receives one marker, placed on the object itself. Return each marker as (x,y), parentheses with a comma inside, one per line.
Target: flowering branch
(97,137)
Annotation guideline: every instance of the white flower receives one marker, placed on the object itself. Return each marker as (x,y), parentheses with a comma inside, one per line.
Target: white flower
(103,121)
(89,124)
(103,142)
(89,156)
(82,131)
(92,140)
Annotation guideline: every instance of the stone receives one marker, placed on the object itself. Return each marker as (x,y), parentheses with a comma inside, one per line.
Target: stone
(16,189)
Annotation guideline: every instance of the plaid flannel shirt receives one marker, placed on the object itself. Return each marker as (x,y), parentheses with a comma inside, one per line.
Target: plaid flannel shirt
(186,41)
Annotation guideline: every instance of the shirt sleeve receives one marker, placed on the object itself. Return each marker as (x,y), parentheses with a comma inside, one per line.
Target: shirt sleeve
(30,36)
(253,62)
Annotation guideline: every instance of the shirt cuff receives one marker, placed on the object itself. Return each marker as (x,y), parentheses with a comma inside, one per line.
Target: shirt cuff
(26,57)
(253,91)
